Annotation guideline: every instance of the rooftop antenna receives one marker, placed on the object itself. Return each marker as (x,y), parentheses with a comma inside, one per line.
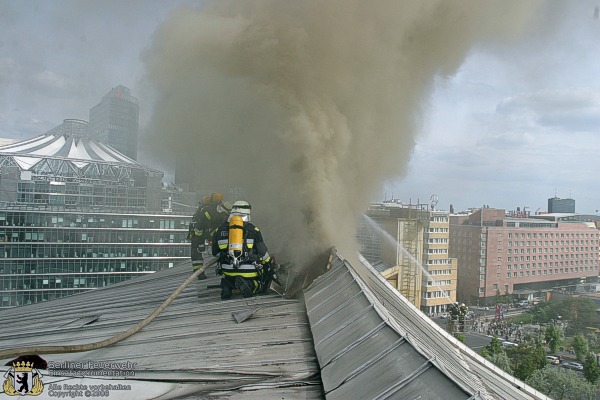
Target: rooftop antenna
(434,200)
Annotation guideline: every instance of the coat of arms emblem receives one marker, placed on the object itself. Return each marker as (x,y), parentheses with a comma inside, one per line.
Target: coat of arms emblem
(23,379)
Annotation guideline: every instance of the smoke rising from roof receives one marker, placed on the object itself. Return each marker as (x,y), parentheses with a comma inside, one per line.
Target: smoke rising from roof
(309,105)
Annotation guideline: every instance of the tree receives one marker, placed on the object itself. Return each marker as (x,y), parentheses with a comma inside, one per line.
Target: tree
(580,345)
(591,370)
(526,359)
(544,311)
(495,353)
(553,337)
(494,347)
(581,313)
(501,361)
(561,384)
(592,341)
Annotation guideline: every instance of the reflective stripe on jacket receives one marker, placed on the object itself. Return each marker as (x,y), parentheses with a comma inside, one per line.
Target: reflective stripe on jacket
(244,270)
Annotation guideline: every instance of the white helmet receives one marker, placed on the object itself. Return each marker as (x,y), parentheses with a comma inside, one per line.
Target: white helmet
(241,208)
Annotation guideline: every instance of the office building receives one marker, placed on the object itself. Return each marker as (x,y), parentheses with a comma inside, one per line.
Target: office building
(556,205)
(114,121)
(76,215)
(512,257)
(408,244)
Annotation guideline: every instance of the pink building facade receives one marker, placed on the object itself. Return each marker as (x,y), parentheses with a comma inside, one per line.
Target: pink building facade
(499,255)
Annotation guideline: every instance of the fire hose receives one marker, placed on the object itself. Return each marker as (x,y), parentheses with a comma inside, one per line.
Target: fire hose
(76,348)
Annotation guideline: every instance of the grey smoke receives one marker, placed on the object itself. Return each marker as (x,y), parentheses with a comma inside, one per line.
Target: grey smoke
(310,105)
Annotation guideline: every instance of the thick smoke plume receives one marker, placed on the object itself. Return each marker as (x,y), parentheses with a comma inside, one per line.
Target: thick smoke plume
(309,105)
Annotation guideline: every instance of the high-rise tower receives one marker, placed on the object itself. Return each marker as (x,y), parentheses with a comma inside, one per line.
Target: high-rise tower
(114,121)
(556,205)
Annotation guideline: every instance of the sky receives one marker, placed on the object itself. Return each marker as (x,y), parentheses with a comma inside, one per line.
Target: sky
(515,123)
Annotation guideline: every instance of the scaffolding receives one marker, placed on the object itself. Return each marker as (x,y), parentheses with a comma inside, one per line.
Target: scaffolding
(408,251)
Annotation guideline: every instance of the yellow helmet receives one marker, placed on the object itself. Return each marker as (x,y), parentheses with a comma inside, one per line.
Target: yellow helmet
(214,198)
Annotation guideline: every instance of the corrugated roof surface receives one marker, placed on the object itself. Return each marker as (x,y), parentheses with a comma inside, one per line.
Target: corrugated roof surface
(352,336)
(382,266)
(373,344)
(194,349)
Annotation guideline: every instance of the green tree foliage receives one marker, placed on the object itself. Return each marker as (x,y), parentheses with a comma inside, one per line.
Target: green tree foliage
(544,311)
(502,361)
(495,353)
(561,384)
(580,345)
(580,312)
(553,337)
(526,359)
(494,347)
(592,341)
(591,370)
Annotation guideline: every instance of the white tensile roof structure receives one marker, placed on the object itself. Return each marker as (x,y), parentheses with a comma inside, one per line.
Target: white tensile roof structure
(70,151)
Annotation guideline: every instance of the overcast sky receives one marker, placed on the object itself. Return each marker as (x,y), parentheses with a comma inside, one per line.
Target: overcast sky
(516,125)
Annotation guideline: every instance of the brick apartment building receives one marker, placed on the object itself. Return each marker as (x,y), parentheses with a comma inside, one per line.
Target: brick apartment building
(500,255)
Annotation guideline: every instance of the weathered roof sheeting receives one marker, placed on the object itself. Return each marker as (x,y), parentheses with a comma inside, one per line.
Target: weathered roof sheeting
(373,344)
(194,348)
(351,336)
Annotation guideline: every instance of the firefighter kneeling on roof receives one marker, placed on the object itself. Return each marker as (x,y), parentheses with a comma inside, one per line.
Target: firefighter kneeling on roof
(244,261)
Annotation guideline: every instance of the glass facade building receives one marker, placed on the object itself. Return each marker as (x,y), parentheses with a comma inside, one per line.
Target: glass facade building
(556,205)
(115,121)
(76,215)
(47,254)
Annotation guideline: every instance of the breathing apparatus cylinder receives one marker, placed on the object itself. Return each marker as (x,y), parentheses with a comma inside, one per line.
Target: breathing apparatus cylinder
(236,239)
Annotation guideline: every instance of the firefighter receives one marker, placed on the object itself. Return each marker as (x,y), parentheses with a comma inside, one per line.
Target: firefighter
(244,260)
(211,213)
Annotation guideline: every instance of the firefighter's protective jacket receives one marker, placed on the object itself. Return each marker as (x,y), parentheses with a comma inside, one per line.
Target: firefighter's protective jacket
(254,251)
(207,219)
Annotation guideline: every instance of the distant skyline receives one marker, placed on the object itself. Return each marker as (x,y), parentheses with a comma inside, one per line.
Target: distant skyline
(517,124)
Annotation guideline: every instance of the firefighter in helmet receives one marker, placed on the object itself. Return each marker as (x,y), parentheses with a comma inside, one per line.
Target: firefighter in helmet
(211,213)
(244,260)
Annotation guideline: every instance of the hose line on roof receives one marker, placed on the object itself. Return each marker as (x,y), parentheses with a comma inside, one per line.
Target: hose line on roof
(76,348)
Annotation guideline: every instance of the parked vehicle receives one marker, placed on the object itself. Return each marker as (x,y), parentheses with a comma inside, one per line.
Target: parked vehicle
(553,360)
(572,365)
(508,345)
